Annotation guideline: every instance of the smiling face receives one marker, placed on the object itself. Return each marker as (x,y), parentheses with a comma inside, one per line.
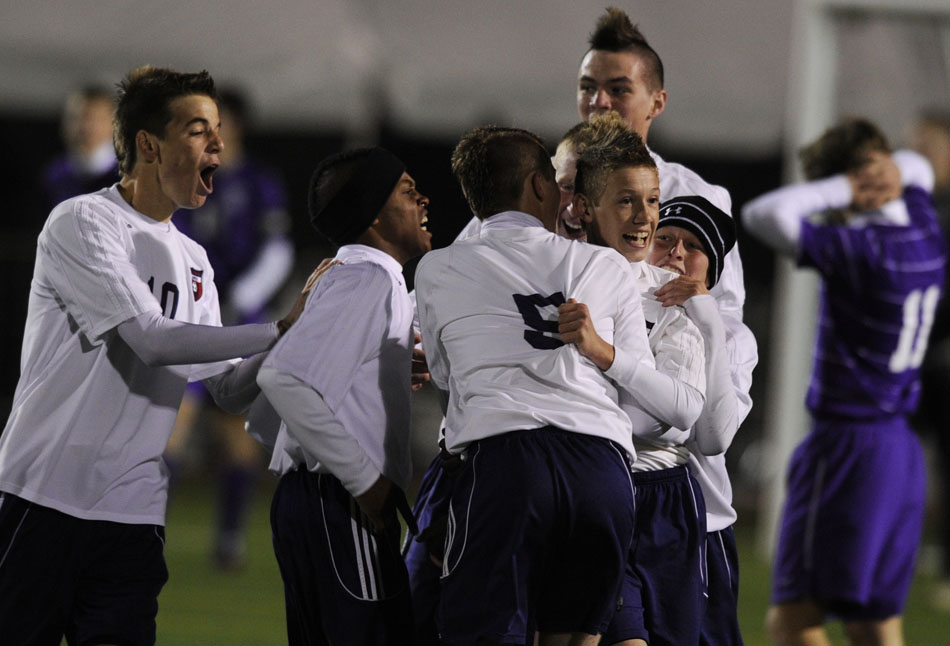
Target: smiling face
(679,250)
(402,221)
(614,81)
(186,156)
(625,216)
(569,225)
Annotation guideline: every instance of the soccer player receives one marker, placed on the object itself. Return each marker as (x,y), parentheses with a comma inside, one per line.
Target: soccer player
(692,239)
(243,227)
(622,73)
(89,161)
(343,448)
(541,512)
(618,198)
(121,305)
(855,501)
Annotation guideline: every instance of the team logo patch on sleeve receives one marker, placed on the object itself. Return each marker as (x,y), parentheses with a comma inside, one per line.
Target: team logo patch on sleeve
(196,282)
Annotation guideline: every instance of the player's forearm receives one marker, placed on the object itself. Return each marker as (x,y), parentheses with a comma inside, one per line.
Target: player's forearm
(664,398)
(317,430)
(235,390)
(256,286)
(719,420)
(915,169)
(776,217)
(159,341)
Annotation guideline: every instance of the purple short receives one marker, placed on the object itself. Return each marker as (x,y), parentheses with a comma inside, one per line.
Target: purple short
(540,526)
(662,596)
(721,621)
(424,575)
(852,519)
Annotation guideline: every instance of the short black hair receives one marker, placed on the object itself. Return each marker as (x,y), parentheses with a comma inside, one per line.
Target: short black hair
(491,163)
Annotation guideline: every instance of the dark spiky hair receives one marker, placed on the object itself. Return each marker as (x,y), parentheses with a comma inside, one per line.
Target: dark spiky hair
(614,32)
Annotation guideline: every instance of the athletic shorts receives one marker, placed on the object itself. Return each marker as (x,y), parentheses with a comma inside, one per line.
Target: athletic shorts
(92,581)
(342,583)
(540,524)
(852,519)
(663,594)
(424,574)
(721,621)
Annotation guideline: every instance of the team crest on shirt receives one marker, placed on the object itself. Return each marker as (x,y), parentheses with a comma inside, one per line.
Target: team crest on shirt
(196,282)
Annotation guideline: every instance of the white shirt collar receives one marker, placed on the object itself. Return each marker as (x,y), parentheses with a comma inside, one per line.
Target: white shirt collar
(352,253)
(511,220)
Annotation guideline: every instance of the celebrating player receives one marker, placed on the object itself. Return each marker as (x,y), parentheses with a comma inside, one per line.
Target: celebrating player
(622,73)
(692,239)
(854,508)
(528,414)
(121,305)
(343,449)
(618,198)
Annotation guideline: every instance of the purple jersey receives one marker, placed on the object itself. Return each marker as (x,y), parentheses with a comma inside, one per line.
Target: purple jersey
(881,283)
(63,179)
(247,207)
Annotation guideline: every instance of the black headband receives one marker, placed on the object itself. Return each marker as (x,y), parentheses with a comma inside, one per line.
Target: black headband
(358,202)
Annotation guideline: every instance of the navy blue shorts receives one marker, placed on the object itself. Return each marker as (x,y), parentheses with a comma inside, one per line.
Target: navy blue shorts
(721,621)
(342,583)
(92,581)
(852,519)
(664,587)
(540,524)
(431,504)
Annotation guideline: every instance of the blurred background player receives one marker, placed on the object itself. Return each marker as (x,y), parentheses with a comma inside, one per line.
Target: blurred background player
(88,163)
(856,484)
(622,73)
(930,136)
(243,226)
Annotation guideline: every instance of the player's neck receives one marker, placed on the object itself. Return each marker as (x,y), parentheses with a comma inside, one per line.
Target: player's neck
(151,203)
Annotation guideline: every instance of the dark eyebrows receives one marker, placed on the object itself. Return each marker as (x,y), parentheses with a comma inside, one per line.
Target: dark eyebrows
(614,80)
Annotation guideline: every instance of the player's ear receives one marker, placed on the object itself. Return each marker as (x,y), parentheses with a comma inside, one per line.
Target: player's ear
(147,145)
(538,183)
(658,104)
(582,207)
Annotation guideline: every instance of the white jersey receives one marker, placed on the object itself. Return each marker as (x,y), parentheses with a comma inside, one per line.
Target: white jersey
(679,352)
(710,471)
(488,311)
(675,181)
(90,420)
(352,345)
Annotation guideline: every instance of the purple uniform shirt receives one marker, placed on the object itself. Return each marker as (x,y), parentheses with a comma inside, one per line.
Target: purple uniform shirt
(881,284)
(247,207)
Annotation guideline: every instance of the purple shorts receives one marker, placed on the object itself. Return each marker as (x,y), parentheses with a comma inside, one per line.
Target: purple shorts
(423,573)
(342,584)
(540,526)
(662,596)
(852,519)
(721,621)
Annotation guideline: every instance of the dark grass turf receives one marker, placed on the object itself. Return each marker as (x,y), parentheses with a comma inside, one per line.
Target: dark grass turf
(201,605)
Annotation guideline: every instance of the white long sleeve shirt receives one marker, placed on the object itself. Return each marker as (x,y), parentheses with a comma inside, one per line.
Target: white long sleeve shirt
(488,311)
(339,378)
(90,419)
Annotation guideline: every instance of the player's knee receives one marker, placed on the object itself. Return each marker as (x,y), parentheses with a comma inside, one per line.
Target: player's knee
(795,624)
(875,633)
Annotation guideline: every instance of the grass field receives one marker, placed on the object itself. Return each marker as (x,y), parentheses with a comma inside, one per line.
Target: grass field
(201,605)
